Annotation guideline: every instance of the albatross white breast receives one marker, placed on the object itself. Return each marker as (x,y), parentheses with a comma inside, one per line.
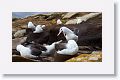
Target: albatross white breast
(71,48)
(25,51)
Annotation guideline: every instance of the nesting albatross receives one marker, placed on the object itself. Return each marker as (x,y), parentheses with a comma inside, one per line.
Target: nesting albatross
(66,50)
(38,29)
(30,51)
(50,48)
(31,25)
(71,48)
(30,28)
(35,29)
(59,21)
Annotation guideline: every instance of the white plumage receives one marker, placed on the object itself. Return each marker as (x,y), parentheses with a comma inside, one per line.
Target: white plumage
(71,48)
(31,25)
(25,51)
(50,48)
(69,34)
(59,21)
(43,26)
(38,29)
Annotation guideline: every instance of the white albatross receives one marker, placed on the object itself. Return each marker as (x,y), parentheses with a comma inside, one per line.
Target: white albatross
(59,21)
(50,48)
(25,51)
(69,34)
(30,51)
(31,25)
(43,26)
(38,29)
(71,48)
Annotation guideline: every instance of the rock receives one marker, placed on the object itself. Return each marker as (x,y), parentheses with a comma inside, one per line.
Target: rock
(88,16)
(96,56)
(96,52)
(73,21)
(17,41)
(23,39)
(93,58)
(85,48)
(82,18)
(80,58)
(24,26)
(48,59)
(14,19)
(14,30)
(20,33)
(36,17)
(69,15)
(16,58)
(84,52)
(61,57)
(53,16)
(15,52)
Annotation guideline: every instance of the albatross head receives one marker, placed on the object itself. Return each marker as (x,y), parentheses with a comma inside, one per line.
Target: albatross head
(65,31)
(38,29)
(24,51)
(60,31)
(31,25)
(43,26)
(19,47)
(69,34)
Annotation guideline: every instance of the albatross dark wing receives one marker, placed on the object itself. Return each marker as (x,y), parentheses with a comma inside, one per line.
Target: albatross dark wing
(60,46)
(29,30)
(36,52)
(39,46)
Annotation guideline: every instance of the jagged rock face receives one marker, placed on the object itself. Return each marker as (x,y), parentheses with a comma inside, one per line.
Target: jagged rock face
(69,15)
(93,57)
(80,19)
(62,58)
(16,58)
(17,41)
(20,33)
(73,21)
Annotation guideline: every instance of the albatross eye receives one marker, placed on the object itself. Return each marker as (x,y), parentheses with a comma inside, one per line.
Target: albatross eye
(64,34)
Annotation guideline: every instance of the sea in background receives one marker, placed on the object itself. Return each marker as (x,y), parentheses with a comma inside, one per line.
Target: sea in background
(25,14)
